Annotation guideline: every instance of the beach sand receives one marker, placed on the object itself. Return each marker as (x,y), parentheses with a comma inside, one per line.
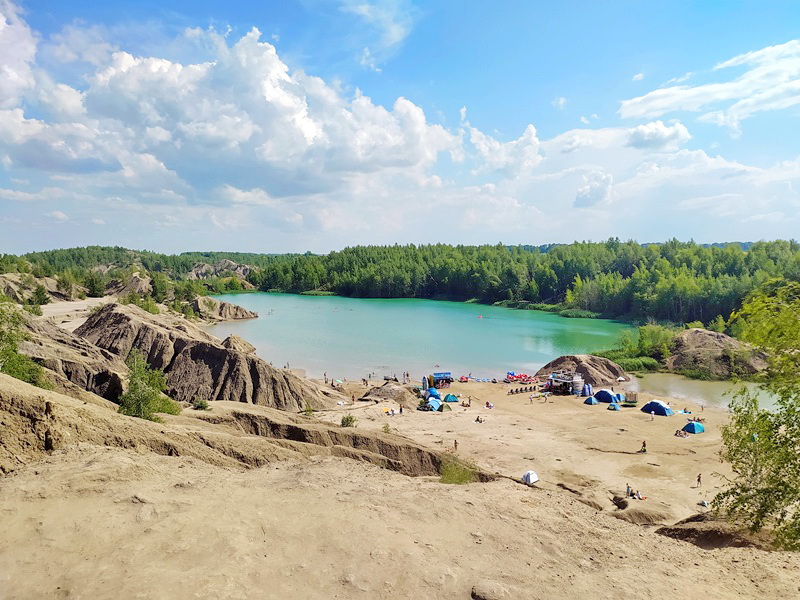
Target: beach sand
(588,449)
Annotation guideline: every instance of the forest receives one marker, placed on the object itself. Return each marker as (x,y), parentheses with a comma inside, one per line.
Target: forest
(673,281)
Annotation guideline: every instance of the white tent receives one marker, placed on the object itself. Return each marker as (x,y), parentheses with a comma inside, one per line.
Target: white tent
(530,477)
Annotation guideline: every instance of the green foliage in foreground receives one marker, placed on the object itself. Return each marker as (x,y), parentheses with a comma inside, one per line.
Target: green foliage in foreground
(348,421)
(12,362)
(145,397)
(457,471)
(763,447)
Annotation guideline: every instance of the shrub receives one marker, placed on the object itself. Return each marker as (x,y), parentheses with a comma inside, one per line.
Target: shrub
(578,313)
(145,396)
(456,471)
(34,309)
(348,421)
(308,411)
(386,428)
(639,363)
(200,404)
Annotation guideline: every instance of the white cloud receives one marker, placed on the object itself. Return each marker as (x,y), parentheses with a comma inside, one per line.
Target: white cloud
(96,221)
(584,120)
(597,189)
(57,215)
(17,52)
(658,135)
(368,61)
(512,157)
(559,102)
(771,81)
(638,77)
(393,19)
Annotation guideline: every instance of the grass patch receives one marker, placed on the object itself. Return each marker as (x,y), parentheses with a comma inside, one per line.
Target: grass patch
(639,363)
(317,293)
(578,313)
(457,471)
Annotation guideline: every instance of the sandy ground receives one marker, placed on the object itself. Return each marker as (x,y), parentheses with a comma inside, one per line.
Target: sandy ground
(92,523)
(71,315)
(586,448)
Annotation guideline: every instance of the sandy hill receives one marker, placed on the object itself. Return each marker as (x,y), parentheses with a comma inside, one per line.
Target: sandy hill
(175,510)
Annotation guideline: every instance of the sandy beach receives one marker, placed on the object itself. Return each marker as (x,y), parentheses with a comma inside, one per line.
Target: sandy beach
(588,449)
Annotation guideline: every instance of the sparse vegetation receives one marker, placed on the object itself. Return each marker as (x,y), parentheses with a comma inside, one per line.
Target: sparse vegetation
(200,404)
(145,397)
(348,421)
(11,361)
(308,411)
(457,471)
(386,428)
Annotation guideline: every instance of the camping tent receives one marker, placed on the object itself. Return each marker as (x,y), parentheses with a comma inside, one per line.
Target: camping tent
(530,477)
(613,406)
(694,427)
(620,398)
(450,398)
(433,393)
(605,396)
(435,403)
(658,407)
(590,400)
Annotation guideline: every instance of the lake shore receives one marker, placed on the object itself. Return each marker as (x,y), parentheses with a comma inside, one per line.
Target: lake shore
(589,450)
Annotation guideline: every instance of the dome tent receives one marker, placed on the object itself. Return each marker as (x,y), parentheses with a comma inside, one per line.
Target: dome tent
(450,398)
(530,477)
(658,407)
(433,393)
(605,396)
(590,400)
(694,427)
(613,406)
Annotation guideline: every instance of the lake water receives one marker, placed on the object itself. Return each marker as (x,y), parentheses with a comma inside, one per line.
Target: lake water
(350,337)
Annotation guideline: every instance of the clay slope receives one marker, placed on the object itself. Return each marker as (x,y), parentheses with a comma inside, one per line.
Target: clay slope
(136,284)
(219,269)
(595,370)
(212,309)
(73,359)
(196,364)
(716,353)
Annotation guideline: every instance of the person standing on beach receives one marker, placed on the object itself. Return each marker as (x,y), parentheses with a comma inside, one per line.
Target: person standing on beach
(699,479)
(455,445)
(643,449)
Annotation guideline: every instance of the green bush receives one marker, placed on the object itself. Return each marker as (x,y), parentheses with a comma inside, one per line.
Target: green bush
(386,428)
(200,404)
(639,363)
(348,421)
(578,313)
(308,410)
(457,471)
(145,396)
(34,309)
(317,293)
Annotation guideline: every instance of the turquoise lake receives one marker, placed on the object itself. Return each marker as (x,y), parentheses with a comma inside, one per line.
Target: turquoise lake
(350,337)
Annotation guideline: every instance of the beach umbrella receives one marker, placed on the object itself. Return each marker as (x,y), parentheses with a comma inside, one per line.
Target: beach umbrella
(694,427)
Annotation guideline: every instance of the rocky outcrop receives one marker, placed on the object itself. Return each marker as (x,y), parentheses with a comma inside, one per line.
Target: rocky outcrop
(595,370)
(135,284)
(394,392)
(197,365)
(73,359)
(19,287)
(234,342)
(717,354)
(212,309)
(220,268)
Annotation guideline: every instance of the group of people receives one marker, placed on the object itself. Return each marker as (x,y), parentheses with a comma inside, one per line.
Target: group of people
(681,433)
(523,390)
(629,493)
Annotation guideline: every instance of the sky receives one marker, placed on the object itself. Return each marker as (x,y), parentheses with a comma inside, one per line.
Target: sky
(312,125)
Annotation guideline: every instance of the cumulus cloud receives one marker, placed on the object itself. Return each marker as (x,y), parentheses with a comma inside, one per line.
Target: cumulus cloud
(17,53)
(559,102)
(57,215)
(513,157)
(597,189)
(658,135)
(770,81)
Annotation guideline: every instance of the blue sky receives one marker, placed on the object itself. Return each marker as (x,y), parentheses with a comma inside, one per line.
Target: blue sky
(316,124)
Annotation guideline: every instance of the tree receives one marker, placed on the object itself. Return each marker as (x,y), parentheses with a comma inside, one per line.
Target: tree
(145,396)
(11,361)
(39,296)
(763,446)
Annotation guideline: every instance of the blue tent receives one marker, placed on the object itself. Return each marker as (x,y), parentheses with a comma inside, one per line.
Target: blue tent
(694,427)
(590,400)
(433,393)
(658,407)
(613,406)
(587,389)
(605,396)
(450,398)
(434,403)
(620,398)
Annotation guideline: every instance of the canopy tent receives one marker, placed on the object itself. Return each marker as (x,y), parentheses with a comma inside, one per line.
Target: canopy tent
(658,407)
(694,427)
(450,398)
(613,406)
(590,400)
(530,477)
(605,396)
